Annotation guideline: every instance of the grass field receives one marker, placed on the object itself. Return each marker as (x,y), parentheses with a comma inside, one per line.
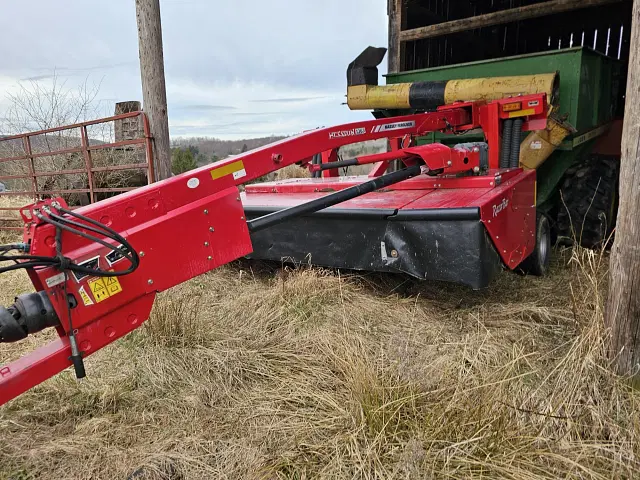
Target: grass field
(303,373)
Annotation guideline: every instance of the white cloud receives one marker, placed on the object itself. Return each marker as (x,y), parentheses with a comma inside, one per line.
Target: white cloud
(278,66)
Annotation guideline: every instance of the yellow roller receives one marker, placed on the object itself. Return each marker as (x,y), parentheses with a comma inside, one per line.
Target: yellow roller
(361,97)
(432,94)
(496,88)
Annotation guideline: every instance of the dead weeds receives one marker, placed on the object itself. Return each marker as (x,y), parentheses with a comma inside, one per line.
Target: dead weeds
(308,373)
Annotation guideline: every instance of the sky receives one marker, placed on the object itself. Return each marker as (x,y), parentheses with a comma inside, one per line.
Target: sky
(234,69)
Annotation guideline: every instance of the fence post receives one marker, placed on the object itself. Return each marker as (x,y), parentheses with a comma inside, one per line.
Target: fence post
(26,140)
(87,161)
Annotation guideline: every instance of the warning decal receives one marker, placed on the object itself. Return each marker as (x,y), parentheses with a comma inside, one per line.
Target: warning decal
(103,288)
(236,169)
(86,299)
(112,284)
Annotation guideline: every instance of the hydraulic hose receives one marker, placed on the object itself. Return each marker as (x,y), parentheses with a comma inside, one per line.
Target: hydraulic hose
(505,151)
(332,199)
(514,157)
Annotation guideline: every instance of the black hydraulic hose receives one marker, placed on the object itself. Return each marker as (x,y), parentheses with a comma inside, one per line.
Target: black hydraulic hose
(505,151)
(516,138)
(129,253)
(274,218)
(342,163)
(89,271)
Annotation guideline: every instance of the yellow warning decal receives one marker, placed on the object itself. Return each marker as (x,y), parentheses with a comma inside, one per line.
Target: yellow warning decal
(86,299)
(236,169)
(103,288)
(522,113)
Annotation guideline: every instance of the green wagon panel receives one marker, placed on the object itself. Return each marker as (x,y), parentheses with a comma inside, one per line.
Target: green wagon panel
(588,80)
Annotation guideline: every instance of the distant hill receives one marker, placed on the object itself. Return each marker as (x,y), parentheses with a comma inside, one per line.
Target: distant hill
(207,149)
(213,149)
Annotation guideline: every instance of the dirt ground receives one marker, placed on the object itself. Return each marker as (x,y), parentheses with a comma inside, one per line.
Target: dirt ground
(249,372)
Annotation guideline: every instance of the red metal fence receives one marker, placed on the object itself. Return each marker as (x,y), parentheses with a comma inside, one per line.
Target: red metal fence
(81,162)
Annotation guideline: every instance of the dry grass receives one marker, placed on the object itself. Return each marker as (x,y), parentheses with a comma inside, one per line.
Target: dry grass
(11,218)
(308,374)
(292,171)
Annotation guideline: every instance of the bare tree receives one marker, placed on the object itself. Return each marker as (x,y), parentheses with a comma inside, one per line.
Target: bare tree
(39,106)
(42,105)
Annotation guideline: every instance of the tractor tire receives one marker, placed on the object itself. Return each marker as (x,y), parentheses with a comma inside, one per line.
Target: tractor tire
(588,202)
(538,262)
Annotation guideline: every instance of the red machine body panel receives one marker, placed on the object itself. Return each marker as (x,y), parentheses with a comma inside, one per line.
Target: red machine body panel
(505,199)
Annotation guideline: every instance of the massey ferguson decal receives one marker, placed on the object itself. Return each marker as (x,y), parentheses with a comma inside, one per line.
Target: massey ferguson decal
(500,207)
(348,133)
(393,126)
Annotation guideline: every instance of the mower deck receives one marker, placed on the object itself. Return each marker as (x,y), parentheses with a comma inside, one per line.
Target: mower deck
(437,228)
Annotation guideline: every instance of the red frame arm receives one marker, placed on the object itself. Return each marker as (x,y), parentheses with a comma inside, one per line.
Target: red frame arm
(182,227)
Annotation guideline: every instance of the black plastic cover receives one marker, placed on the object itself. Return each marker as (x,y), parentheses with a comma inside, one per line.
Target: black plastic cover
(439,244)
(364,69)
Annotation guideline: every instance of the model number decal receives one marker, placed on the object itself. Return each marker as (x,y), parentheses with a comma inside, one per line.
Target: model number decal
(500,207)
(393,126)
(348,133)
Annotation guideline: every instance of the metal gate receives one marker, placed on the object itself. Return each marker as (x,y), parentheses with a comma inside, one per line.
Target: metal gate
(83,163)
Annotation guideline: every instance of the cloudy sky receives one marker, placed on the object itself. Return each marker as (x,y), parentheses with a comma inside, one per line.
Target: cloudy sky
(234,68)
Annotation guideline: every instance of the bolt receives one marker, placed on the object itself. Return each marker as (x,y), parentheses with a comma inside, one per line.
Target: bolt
(206,244)
(238,199)
(497,237)
(211,229)
(491,184)
(476,169)
(394,253)
(241,218)
(209,257)
(206,212)
(150,282)
(141,254)
(449,163)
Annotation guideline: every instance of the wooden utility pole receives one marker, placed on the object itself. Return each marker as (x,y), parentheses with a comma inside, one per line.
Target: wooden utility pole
(623,305)
(154,93)
(394,11)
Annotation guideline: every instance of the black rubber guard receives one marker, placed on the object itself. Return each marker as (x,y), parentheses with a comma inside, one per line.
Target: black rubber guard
(441,244)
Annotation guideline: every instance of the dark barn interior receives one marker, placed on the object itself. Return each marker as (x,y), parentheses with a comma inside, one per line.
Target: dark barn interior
(604,26)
